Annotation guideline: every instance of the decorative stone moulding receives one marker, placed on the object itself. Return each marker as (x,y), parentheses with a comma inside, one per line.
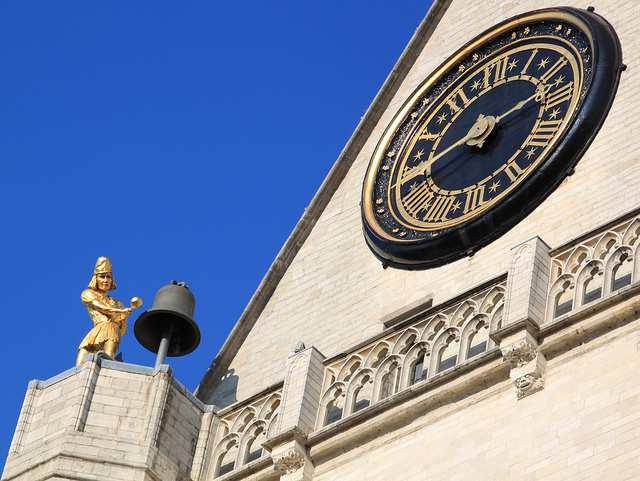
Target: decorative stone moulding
(242,429)
(289,461)
(527,363)
(414,351)
(594,267)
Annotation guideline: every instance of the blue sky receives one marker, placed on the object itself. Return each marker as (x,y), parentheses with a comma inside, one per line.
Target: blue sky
(182,139)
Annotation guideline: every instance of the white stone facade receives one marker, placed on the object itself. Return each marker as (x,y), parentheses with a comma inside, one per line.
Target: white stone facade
(519,363)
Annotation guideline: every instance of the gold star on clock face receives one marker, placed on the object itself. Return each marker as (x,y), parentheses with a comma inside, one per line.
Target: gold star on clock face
(531,152)
(543,63)
(441,118)
(475,85)
(494,186)
(456,206)
(559,80)
(554,114)
(419,154)
(513,64)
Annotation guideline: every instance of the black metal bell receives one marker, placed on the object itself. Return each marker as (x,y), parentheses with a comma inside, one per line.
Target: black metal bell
(168,328)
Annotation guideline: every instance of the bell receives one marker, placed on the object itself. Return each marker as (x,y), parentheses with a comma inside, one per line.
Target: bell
(168,328)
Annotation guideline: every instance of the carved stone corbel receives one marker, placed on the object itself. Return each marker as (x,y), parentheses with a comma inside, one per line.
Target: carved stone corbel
(289,461)
(289,454)
(528,364)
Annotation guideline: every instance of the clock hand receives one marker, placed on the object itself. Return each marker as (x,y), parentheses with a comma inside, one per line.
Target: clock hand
(477,129)
(476,136)
(541,91)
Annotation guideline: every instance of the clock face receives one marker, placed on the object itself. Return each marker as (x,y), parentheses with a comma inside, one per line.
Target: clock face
(488,136)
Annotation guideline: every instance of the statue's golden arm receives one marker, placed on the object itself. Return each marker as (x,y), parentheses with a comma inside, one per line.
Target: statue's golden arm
(106,309)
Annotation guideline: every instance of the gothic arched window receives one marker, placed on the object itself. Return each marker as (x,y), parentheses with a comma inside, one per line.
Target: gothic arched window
(563,301)
(363,394)
(419,369)
(478,340)
(389,382)
(448,355)
(622,271)
(254,447)
(227,461)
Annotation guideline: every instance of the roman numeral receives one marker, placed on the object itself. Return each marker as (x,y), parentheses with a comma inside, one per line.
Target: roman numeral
(426,135)
(495,72)
(417,199)
(513,171)
(544,132)
(526,65)
(475,198)
(558,96)
(439,208)
(452,101)
(555,68)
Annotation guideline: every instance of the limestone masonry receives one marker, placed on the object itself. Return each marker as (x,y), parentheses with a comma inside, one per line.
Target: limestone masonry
(521,362)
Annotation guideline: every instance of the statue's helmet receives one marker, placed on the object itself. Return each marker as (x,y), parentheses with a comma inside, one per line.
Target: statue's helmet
(103,264)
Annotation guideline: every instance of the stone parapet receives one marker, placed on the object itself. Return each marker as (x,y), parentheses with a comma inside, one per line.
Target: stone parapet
(106,420)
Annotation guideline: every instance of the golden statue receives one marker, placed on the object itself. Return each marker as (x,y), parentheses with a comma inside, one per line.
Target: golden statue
(109,315)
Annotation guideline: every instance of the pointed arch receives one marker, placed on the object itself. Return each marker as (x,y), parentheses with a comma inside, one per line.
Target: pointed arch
(474,337)
(415,366)
(349,368)
(270,406)
(494,297)
(377,354)
(578,257)
(387,378)
(226,454)
(405,341)
(619,270)
(465,311)
(435,325)
(359,391)
(445,351)
(561,296)
(250,444)
(332,405)
(632,233)
(243,419)
(590,283)
(605,245)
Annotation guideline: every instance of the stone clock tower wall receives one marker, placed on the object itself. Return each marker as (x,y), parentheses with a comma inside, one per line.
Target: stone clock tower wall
(335,294)
(520,362)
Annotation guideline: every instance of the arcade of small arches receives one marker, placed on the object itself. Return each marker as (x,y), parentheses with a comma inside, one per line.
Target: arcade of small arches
(594,269)
(410,356)
(242,432)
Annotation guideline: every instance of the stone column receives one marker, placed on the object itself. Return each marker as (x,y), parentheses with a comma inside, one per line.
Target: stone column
(300,400)
(525,302)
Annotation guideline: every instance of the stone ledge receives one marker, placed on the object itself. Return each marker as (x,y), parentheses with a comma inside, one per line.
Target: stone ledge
(464,370)
(259,468)
(404,407)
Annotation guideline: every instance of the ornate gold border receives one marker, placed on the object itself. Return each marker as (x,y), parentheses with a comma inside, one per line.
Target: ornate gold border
(411,139)
(430,81)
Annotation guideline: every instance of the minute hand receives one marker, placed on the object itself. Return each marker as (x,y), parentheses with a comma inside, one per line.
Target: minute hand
(538,95)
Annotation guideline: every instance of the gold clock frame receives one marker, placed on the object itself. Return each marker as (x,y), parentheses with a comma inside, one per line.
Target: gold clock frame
(383,145)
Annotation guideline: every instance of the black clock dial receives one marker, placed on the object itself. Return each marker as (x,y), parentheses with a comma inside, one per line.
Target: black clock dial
(488,136)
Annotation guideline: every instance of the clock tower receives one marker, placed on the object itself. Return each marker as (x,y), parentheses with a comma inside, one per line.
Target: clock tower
(460,300)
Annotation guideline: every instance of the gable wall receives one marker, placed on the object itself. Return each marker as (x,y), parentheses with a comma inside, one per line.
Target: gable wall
(335,292)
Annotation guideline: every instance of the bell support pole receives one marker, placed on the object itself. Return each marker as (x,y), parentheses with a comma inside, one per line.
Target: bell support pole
(168,328)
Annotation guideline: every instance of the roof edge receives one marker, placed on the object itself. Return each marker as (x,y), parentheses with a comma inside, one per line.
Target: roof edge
(329,185)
